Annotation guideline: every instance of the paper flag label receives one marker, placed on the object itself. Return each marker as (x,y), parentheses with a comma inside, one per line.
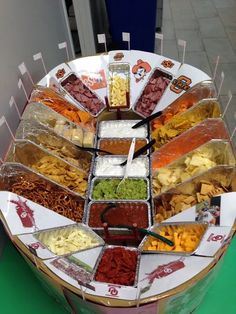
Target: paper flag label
(22,68)
(101,38)
(2,120)
(181,42)
(62,45)
(159,36)
(125,36)
(37,56)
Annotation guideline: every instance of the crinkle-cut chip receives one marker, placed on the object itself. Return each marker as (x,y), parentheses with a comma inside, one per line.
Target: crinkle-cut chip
(206,188)
(201,198)
(179,207)
(156,184)
(161,209)
(189,200)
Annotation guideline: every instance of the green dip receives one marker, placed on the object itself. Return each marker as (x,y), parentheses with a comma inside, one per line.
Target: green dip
(130,189)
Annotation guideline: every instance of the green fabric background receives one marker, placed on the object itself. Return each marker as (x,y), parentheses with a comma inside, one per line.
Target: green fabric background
(21,292)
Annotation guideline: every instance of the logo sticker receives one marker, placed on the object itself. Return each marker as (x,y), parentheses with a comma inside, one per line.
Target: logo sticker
(140,69)
(167,64)
(60,73)
(181,83)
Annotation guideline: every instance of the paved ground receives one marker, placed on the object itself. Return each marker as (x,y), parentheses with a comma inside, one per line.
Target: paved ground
(209,27)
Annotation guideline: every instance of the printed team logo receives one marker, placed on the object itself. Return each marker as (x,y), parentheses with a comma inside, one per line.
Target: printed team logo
(162,271)
(60,73)
(167,64)
(25,214)
(140,69)
(118,56)
(36,245)
(94,80)
(112,291)
(181,83)
(216,237)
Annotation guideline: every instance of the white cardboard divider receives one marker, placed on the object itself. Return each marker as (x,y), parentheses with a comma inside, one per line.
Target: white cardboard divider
(13,102)
(21,85)
(102,40)
(39,56)
(227,105)
(126,37)
(216,67)
(160,37)
(222,77)
(63,45)
(2,121)
(23,70)
(182,43)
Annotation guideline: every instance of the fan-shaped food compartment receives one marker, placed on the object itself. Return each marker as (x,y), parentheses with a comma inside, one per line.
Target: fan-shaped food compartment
(118,265)
(191,97)
(186,237)
(216,181)
(59,124)
(85,97)
(189,140)
(181,123)
(58,103)
(68,239)
(54,143)
(23,181)
(207,156)
(152,93)
(49,165)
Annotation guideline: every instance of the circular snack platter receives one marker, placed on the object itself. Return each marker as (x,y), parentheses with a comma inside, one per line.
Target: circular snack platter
(88,220)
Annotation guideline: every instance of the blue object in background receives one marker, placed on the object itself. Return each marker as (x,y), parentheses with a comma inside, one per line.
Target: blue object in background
(137,17)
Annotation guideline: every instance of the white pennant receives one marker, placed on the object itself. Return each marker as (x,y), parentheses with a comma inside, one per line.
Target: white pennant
(13,102)
(126,37)
(21,85)
(23,70)
(2,121)
(39,56)
(63,45)
(222,76)
(102,40)
(182,43)
(227,105)
(160,37)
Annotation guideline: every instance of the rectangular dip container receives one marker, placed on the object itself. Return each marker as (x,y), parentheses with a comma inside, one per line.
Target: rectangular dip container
(103,189)
(105,166)
(120,146)
(121,129)
(123,213)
